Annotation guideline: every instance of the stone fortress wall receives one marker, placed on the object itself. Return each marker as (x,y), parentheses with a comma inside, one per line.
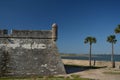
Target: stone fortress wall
(30,53)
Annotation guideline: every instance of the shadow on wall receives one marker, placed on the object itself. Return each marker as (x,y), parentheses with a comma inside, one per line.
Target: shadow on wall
(72,68)
(4,61)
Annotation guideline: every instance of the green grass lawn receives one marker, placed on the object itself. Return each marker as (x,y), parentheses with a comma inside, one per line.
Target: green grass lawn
(72,77)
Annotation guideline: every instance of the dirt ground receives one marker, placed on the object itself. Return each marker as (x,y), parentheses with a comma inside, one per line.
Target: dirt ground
(97,74)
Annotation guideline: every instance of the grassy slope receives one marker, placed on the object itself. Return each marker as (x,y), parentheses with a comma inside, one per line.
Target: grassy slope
(74,77)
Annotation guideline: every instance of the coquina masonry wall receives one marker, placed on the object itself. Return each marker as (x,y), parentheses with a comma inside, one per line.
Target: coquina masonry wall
(29,53)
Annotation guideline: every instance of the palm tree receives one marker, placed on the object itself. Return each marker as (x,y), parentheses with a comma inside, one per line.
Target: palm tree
(90,40)
(112,39)
(117,30)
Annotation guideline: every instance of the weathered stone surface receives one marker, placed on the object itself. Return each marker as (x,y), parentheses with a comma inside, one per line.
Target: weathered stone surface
(28,53)
(32,34)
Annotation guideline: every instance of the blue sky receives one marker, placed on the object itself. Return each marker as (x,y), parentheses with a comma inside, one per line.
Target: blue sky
(76,20)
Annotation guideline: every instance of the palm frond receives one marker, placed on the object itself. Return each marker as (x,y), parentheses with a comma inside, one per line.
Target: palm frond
(117,30)
(90,40)
(111,39)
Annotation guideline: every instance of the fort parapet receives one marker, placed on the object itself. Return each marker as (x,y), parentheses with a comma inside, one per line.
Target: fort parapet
(29,53)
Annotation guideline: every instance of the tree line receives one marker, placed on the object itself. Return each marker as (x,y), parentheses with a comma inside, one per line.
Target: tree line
(111,39)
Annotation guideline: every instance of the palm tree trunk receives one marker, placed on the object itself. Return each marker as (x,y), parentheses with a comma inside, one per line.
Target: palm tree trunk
(90,55)
(112,56)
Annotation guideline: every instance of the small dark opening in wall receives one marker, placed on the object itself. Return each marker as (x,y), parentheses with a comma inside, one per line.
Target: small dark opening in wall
(5,31)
